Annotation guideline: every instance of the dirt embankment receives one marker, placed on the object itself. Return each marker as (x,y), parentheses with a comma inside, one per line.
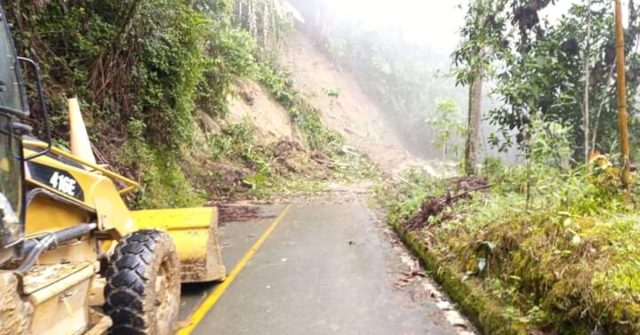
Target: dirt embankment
(253,103)
(256,134)
(345,108)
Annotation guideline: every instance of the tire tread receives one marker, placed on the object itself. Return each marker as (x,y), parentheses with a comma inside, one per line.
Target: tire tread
(127,275)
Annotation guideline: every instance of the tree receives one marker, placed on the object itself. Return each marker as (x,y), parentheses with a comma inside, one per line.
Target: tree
(482,33)
(622,100)
(265,20)
(563,72)
(449,123)
(472,147)
(585,106)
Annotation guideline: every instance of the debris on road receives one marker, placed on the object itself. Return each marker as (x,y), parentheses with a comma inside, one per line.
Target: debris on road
(241,213)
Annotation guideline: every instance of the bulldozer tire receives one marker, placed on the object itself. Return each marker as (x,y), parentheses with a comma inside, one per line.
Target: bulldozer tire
(142,295)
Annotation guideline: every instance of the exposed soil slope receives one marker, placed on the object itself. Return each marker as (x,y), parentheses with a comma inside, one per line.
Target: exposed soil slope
(253,104)
(345,108)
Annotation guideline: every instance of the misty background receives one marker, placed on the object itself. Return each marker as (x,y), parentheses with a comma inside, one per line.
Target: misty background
(401,54)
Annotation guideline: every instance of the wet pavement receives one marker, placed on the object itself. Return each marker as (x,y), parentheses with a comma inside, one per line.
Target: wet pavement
(325,269)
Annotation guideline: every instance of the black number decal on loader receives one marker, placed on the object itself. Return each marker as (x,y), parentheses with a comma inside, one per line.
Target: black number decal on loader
(59,180)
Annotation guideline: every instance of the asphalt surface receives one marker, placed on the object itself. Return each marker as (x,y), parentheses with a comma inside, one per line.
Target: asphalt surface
(326,269)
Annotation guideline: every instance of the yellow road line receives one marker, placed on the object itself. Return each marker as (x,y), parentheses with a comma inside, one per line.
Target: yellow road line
(217,293)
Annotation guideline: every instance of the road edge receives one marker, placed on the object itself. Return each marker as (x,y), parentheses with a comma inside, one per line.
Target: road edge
(485,313)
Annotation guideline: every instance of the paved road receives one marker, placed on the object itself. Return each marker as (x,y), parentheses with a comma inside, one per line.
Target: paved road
(326,269)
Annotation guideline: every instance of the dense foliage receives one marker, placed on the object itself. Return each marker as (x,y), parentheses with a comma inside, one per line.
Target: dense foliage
(154,75)
(554,245)
(143,70)
(552,241)
(539,69)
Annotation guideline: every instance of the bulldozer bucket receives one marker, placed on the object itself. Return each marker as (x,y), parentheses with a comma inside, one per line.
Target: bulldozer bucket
(195,234)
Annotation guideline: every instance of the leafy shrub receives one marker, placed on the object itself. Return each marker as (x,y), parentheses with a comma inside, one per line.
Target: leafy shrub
(141,69)
(567,260)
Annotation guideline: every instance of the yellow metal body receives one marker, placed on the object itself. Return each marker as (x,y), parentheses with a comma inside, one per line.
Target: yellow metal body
(101,195)
(97,193)
(59,294)
(195,234)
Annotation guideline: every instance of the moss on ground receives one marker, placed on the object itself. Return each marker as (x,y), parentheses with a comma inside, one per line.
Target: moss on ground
(556,251)
(484,311)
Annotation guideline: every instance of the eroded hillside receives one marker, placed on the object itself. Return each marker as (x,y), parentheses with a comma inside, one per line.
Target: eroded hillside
(343,104)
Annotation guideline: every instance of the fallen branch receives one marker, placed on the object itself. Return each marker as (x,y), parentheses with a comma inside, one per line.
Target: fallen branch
(436,206)
(481,188)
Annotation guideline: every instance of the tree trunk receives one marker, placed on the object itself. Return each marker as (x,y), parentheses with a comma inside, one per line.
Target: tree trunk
(623,121)
(472,148)
(585,111)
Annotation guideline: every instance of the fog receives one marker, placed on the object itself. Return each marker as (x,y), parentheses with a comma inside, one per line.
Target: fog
(401,52)
(432,22)
(435,23)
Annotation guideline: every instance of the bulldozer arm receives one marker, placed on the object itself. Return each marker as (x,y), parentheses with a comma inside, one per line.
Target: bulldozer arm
(195,234)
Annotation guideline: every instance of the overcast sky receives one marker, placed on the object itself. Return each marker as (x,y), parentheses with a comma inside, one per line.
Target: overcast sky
(435,22)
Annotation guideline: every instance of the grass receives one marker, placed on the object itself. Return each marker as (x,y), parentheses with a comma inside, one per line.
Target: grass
(558,248)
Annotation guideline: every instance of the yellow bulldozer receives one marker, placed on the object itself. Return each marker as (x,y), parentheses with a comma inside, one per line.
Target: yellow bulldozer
(73,258)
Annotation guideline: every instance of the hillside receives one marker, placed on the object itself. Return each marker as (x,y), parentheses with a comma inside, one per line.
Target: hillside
(251,102)
(344,107)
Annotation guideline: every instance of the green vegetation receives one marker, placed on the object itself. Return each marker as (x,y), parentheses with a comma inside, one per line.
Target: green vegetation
(237,166)
(556,245)
(449,126)
(142,69)
(549,245)
(561,70)
(147,72)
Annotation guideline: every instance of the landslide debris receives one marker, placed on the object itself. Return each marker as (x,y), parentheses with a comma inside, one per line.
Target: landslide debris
(460,189)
